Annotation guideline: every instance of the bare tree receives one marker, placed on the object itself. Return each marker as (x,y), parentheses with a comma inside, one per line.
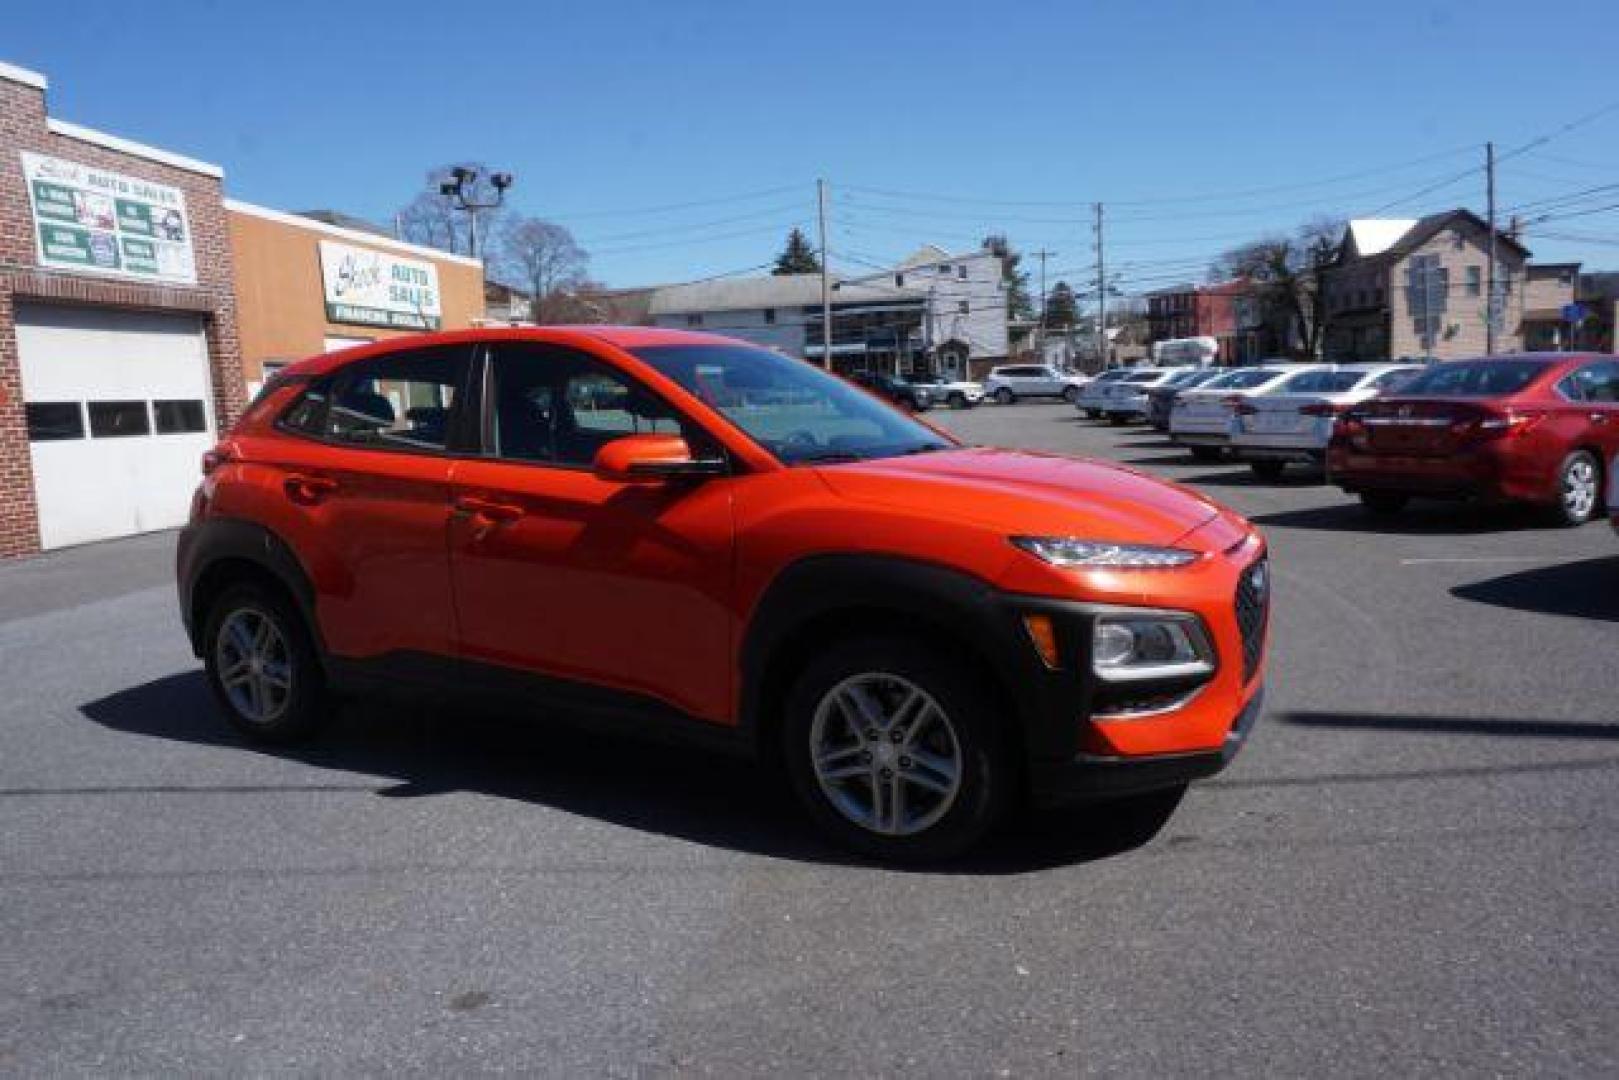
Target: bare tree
(432,220)
(543,258)
(1286,275)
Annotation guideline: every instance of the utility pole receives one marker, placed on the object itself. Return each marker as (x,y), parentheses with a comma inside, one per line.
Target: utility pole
(1101,291)
(460,190)
(1040,334)
(1491,311)
(826,284)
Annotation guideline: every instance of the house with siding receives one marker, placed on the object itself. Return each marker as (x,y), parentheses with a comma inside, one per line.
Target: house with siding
(1417,287)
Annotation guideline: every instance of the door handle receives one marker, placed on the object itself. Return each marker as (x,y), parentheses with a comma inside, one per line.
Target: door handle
(308,489)
(488,508)
(1599,418)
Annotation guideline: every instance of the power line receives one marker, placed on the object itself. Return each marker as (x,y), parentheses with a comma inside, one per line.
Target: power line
(695,226)
(670,207)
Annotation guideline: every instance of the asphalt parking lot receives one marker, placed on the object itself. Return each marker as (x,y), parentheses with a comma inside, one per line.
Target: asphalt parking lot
(1411,868)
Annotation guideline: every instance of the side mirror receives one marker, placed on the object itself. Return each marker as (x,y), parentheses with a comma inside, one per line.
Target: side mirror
(651,459)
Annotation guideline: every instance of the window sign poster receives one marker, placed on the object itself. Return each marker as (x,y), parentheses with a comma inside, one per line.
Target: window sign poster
(97,221)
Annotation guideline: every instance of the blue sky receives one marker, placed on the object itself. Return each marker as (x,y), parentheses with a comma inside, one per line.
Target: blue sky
(932,122)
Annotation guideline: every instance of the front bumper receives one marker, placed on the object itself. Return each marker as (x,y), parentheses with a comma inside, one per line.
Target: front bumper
(1095,777)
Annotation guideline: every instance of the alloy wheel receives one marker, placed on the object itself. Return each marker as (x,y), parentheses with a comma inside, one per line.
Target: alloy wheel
(255,665)
(885,755)
(1580,488)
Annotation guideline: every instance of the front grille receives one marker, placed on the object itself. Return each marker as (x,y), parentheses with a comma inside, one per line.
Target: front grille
(1253,612)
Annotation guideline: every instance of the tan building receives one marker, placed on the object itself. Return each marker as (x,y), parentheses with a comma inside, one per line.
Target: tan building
(305,286)
(1548,290)
(1417,288)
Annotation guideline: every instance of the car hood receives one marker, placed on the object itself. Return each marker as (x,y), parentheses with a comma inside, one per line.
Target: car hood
(1029,493)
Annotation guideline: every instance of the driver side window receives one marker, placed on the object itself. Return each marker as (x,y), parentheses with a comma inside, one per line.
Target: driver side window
(558,406)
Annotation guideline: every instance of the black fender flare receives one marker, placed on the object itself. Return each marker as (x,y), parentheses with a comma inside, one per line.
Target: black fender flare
(204,545)
(967,609)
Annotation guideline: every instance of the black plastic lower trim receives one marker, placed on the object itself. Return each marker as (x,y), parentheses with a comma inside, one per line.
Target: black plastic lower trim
(1088,778)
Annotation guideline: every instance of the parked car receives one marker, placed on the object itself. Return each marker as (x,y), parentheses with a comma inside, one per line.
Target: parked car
(1091,398)
(1161,398)
(956,393)
(1294,420)
(1613,493)
(918,632)
(1533,429)
(1127,398)
(1202,420)
(908,395)
(1007,384)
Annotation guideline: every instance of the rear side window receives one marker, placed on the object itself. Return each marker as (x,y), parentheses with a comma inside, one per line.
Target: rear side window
(1481,378)
(1244,380)
(400,401)
(1595,383)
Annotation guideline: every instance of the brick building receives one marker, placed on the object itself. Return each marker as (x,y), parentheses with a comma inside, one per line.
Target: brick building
(119,357)
(1224,311)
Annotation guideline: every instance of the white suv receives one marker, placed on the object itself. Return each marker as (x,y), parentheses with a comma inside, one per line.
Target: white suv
(1007,384)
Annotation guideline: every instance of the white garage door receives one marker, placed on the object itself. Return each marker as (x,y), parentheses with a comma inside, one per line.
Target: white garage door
(119,415)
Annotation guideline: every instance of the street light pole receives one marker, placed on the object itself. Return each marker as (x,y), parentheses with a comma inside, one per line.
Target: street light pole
(459,189)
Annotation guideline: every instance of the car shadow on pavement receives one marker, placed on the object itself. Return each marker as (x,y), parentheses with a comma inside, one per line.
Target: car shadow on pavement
(1588,589)
(1296,477)
(1600,731)
(695,795)
(1421,518)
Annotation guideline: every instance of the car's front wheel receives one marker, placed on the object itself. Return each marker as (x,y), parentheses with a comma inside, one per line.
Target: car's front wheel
(1268,469)
(1004,396)
(894,751)
(1205,453)
(1579,488)
(1071,394)
(262,667)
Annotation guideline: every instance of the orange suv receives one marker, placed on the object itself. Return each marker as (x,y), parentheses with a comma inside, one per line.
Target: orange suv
(714,541)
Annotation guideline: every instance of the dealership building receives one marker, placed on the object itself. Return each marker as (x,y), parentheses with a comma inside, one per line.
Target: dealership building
(139,306)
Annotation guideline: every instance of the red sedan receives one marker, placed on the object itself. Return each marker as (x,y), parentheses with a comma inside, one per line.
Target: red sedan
(1529,429)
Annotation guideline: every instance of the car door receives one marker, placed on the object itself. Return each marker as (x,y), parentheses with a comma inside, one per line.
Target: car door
(1598,386)
(364,497)
(559,573)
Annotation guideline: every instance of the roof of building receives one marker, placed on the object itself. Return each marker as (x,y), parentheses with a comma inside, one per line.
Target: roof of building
(1373,236)
(345,221)
(1396,237)
(772,291)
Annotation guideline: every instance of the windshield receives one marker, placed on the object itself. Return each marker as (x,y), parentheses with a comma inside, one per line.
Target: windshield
(1474,378)
(793,409)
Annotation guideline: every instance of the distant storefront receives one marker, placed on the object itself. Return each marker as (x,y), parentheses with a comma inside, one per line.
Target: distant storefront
(305,286)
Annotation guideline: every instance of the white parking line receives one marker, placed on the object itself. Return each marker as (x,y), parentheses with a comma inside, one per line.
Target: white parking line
(1485,559)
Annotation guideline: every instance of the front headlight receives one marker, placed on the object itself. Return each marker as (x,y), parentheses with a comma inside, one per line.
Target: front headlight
(1127,647)
(1069,551)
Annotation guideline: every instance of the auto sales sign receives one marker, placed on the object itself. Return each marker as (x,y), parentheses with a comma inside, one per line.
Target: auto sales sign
(365,287)
(95,221)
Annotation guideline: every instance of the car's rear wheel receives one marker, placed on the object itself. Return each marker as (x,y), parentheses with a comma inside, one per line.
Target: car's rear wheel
(1579,488)
(1004,396)
(1205,453)
(1070,394)
(958,400)
(894,751)
(1384,503)
(1268,470)
(262,667)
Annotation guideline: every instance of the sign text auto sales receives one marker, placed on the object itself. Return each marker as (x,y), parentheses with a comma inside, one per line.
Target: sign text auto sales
(372,288)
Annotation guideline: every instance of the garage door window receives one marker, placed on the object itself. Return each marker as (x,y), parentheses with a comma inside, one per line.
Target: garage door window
(176,417)
(54,421)
(118,419)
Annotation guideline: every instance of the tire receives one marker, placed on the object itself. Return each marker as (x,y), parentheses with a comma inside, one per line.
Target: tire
(957,728)
(958,400)
(1205,453)
(1579,489)
(232,638)
(1093,414)
(1384,503)
(1004,396)
(1268,470)
(1116,419)
(1070,394)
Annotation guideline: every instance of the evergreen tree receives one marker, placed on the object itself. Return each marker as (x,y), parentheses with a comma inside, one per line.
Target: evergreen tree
(797,257)
(1061,308)
(1019,305)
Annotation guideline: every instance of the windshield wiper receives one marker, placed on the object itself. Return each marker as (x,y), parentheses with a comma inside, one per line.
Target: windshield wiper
(923,448)
(829,457)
